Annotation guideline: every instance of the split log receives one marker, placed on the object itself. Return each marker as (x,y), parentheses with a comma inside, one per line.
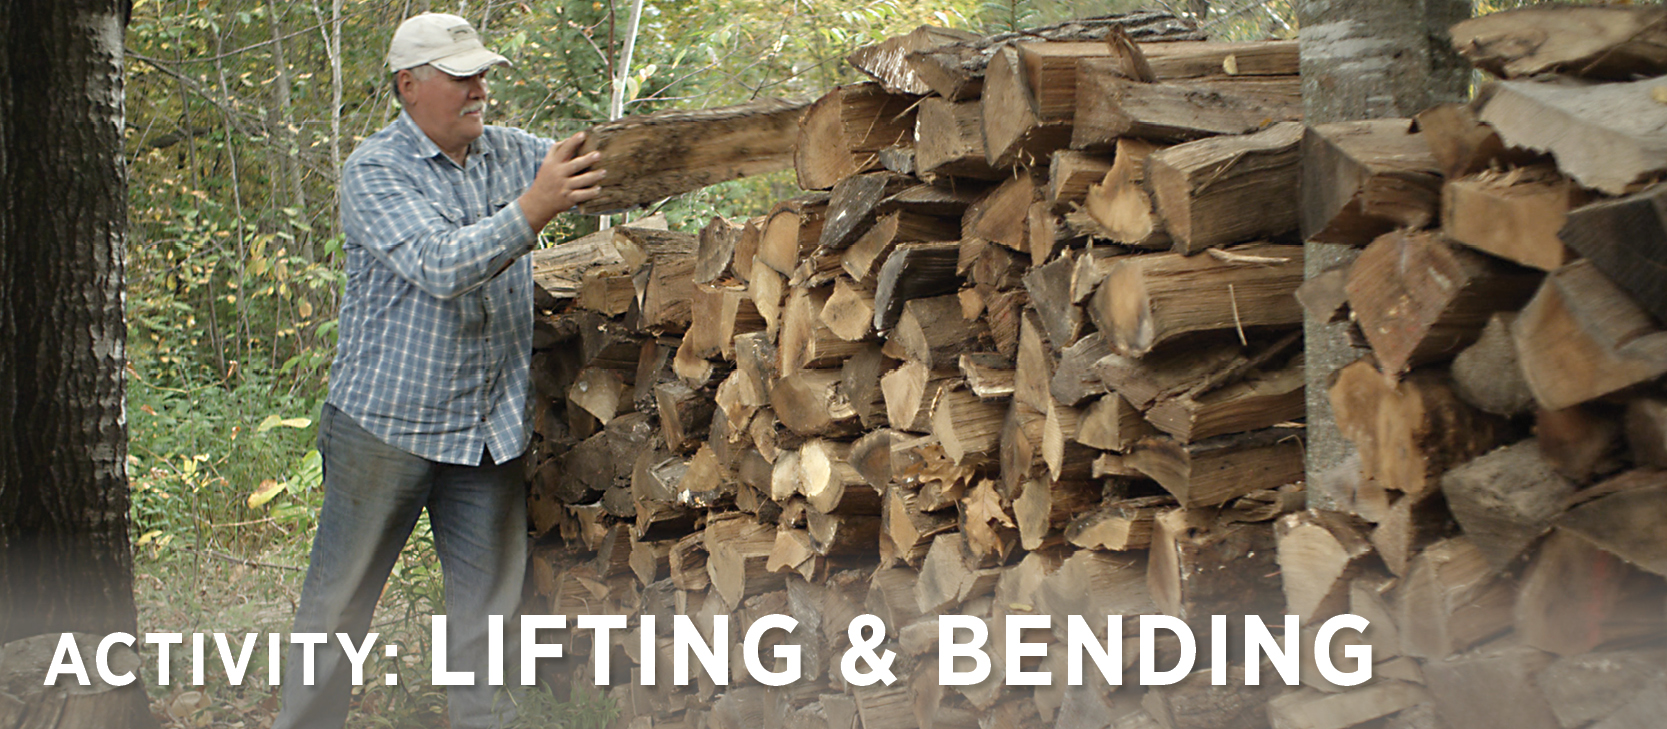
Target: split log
(853,204)
(1625,520)
(792,231)
(950,141)
(1576,597)
(1213,471)
(1607,42)
(1591,686)
(659,155)
(1605,136)
(1451,600)
(740,550)
(864,258)
(1121,203)
(1408,433)
(1003,215)
(1408,523)
(1200,567)
(1626,239)
(805,341)
(1320,555)
(913,271)
(1170,371)
(1492,686)
(1074,380)
(1362,179)
(849,311)
(1487,374)
(1181,60)
(1051,70)
(1118,525)
(955,71)
(1067,459)
(1515,215)
(1225,190)
(1049,286)
(860,377)
(887,61)
(1461,143)
(932,331)
(1096,583)
(1110,106)
(716,253)
(989,376)
(1580,442)
(810,403)
(1111,424)
(947,579)
(909,393)
(1020,444)
(1419,299)
(1014,133)
(607,291)
(1581,337)
(1147,300)
(830,484)
(1070,174)
(910,529)
(684,414)
(561,269)
(600,392)
(1261,400)
(843,132)
(1033,377)
(966,426)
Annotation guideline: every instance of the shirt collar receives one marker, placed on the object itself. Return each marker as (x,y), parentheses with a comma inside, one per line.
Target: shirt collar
(424,148)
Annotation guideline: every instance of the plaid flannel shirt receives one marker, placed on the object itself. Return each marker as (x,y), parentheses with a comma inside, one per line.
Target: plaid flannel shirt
(437,313)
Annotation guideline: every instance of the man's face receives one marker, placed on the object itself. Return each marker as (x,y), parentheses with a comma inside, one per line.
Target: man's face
(449,109)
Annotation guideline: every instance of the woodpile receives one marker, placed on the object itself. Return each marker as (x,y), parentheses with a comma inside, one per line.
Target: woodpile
(1025,351)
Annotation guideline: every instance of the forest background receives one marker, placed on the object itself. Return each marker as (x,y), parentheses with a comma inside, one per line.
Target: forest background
(239,114)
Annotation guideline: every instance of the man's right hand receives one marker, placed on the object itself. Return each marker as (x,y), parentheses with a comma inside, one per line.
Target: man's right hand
(562,182)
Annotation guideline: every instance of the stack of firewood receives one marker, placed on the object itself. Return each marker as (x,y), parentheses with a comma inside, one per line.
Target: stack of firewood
(1031,346)
(1506,530)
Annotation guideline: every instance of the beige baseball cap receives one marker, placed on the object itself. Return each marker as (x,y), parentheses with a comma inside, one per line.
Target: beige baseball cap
(446,42)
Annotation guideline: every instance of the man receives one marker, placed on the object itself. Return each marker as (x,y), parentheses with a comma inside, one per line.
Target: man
(428,393)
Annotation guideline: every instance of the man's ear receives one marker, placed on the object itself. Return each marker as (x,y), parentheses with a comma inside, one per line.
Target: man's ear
(402,79)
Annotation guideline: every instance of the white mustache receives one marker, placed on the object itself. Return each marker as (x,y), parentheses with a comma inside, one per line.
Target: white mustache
(476,106)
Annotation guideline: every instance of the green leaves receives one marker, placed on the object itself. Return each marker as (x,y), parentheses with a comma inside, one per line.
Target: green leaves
(274,421)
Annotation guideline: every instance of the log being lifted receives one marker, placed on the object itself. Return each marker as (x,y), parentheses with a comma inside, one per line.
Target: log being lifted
(843,132)
(652,157)
(955,71)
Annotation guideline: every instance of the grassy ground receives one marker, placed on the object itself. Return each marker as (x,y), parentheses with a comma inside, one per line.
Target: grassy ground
(188,590)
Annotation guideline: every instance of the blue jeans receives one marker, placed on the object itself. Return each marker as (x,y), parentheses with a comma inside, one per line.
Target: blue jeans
(373,494)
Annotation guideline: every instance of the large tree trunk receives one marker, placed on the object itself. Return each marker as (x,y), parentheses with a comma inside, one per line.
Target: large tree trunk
(1363,61)
(65,563)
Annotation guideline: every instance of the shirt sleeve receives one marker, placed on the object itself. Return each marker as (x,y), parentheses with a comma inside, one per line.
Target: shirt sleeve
(386,211)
